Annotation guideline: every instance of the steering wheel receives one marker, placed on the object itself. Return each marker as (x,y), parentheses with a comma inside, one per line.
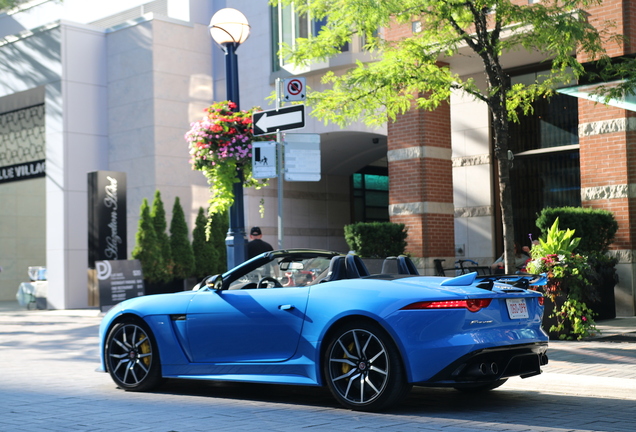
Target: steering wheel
(262,283)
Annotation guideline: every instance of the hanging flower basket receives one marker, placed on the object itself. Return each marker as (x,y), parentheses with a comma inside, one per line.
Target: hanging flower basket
(221,147)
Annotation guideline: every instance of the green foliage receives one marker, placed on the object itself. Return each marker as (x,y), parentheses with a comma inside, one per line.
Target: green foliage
(147,249)
(159,222)
(570,277)
(596,227)
(220,223)
(407,73)
(180,246)
(8,4)
(376,239)
(206,255)
(557,241)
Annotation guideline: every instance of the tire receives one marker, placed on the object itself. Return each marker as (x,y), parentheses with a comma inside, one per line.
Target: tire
(477,388)
(363,368)
(132,357)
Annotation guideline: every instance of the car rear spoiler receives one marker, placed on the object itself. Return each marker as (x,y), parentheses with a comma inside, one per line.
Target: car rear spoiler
(487,281)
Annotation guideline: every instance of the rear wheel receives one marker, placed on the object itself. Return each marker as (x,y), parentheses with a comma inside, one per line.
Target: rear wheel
(363,368)
(132,356)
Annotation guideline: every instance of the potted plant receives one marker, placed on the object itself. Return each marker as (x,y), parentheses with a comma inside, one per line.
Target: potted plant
(569,288)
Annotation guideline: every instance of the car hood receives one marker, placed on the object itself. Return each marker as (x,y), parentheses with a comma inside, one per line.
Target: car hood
(165,304)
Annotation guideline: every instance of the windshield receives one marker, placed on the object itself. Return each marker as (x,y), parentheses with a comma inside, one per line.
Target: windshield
(287,271)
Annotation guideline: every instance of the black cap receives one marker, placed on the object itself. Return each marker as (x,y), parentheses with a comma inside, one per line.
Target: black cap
(255,231)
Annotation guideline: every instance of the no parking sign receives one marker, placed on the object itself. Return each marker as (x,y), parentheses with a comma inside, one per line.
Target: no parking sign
(294,89)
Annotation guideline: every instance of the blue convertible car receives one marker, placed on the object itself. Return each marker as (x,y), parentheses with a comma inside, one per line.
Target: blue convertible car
(311,317)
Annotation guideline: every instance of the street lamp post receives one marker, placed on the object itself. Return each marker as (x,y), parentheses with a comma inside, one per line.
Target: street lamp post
(229,28)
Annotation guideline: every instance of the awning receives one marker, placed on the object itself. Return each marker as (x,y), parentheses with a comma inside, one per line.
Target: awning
(585,92)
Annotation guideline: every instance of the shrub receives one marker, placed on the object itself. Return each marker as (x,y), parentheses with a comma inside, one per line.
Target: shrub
(158,215)
(206,255)
(182,255)
(146,248)
(376,239)
(595,227)
(220,222)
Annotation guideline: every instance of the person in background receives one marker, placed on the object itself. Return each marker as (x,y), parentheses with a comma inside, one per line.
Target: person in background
(521,258)
(256,245)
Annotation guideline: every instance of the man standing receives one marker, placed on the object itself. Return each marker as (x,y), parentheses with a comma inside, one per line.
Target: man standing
(256,245)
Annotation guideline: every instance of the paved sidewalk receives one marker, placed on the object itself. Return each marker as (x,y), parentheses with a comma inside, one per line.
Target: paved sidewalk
(48,383)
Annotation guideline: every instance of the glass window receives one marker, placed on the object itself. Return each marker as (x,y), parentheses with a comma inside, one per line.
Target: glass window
(546,167)
(370,197)
(287,26)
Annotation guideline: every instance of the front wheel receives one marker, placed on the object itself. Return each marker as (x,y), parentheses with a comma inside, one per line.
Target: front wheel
(132,357)
(363,368)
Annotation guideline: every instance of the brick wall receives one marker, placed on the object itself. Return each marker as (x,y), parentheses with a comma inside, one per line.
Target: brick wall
(607,163)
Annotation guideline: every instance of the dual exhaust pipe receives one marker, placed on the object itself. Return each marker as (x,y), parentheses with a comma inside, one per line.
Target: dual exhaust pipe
(482,369)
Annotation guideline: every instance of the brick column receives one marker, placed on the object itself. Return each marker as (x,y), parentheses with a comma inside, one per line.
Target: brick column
(421,184)
(607,137)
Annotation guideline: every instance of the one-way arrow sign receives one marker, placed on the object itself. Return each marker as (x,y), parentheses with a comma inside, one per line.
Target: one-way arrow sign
(266,122)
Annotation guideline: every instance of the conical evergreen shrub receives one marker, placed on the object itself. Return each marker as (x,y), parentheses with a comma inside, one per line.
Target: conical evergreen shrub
(218,232)
(147,249)
(205,253)
(182,255)
(158,215)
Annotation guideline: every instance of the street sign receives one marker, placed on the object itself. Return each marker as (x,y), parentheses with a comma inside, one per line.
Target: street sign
(264,159)
(302,157)
(294,89)
(270,121)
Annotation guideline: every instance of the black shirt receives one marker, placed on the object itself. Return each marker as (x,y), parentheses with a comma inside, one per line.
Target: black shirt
(256,247)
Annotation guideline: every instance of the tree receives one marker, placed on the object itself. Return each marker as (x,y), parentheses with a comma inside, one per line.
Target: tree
(8,4)
(146,247)
(218,229)
(158,215)
(206,255)
(180,246)
(410,73)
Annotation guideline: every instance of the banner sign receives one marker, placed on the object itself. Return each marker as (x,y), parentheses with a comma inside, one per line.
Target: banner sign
(106,216)
(23,171)
(118,281)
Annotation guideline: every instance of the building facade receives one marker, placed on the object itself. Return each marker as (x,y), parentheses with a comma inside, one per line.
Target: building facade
(88,86)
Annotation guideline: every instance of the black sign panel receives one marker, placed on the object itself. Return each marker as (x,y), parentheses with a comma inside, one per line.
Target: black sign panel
(23,171)
(118,281)
(106,216)
(266,122)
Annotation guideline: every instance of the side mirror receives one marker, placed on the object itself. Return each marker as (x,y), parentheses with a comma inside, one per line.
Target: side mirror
(214,282)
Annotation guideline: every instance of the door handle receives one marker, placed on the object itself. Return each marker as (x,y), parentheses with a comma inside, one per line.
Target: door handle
(286,307)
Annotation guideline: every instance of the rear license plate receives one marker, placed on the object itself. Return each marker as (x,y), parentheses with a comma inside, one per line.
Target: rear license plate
(517,308)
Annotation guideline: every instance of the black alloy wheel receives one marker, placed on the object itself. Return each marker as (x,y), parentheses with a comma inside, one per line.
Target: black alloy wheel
(132,357)
(363,368)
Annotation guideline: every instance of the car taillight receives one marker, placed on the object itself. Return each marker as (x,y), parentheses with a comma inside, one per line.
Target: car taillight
(541,301)
(472,305)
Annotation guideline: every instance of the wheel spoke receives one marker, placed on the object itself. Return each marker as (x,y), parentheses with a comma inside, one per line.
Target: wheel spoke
(346,375)
(378,370)
(346,351)
(351,381)
(344,360)
(368,381)
(361,388)
(375,357)
(357,344)
(144,339)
